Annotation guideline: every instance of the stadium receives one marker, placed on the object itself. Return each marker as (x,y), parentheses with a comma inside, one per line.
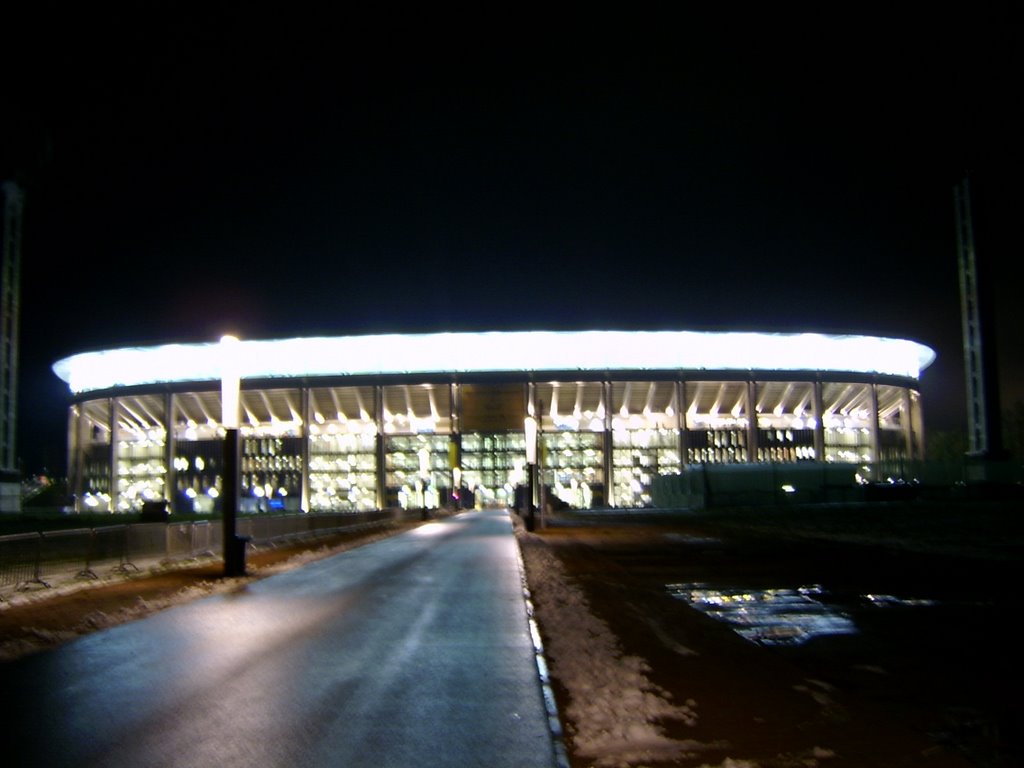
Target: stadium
(365,422)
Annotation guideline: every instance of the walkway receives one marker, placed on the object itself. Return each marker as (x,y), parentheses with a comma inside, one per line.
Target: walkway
(413,651)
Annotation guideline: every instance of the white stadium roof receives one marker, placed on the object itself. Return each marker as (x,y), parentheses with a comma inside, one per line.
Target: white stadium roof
(498,351)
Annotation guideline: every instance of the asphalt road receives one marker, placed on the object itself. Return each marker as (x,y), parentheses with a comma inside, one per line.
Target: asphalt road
(413,651)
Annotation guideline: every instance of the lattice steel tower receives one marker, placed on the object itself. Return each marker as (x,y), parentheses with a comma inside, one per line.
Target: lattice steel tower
(983,410)
(10,282)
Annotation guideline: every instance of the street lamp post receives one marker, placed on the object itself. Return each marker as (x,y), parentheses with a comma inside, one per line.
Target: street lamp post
(234,547)
(531,464)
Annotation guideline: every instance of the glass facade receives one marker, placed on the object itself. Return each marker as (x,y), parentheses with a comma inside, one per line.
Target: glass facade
(90,437)
(572,419)
(198,452)
(342,433)
(572,467)
(900,430)
(140,454)
(786,421)
(493,464)
(645,438)
(417,427)
(414,444)
(847,417)
(717,422)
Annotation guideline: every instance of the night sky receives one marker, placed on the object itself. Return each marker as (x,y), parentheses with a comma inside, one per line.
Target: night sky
(286,173)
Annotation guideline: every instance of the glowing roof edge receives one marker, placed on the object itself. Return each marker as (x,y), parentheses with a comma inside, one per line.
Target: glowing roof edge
(497,351)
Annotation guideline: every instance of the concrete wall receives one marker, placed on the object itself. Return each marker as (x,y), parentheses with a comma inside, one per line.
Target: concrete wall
(707,485)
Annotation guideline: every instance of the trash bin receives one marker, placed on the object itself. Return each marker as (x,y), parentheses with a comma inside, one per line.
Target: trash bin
(234,553)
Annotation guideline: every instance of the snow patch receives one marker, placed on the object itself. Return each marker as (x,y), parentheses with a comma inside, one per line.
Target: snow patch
(615,710)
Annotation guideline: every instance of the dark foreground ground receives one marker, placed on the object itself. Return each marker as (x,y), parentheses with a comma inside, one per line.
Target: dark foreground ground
(929,678)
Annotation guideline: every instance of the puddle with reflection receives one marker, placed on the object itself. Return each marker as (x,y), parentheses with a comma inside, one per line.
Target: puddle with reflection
(768,616)
(889,601)
(779,616)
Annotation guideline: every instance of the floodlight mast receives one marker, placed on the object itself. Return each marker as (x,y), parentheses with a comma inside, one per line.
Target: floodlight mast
(234,547)
(12,200)
(530,429)
(983,408)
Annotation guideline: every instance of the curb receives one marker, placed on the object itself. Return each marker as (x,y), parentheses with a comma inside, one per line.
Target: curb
(548,693)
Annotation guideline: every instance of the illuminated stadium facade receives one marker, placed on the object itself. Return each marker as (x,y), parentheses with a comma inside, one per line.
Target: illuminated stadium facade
(366,422)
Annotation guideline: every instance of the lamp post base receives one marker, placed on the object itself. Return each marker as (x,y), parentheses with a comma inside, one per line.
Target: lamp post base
(530,517)
(234,545)
(234,556)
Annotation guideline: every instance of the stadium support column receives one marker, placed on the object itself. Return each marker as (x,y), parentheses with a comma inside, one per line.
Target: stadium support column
(76,439)
(304,459)
(684,437)
(170,448)
(819,423)
(115,437)
(907,424)
(607,445)
(751,421)
(455,445)
(917,426)
(380,476)
(876,443)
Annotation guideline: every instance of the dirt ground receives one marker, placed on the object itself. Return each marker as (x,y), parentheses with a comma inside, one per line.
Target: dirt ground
(930,683)
(929,686)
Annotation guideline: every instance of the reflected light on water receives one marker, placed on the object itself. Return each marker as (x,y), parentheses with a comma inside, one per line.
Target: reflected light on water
(781,616)
(893,601)
(768,616)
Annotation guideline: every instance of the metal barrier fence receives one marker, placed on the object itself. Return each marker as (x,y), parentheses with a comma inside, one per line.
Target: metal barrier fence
(33,558)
